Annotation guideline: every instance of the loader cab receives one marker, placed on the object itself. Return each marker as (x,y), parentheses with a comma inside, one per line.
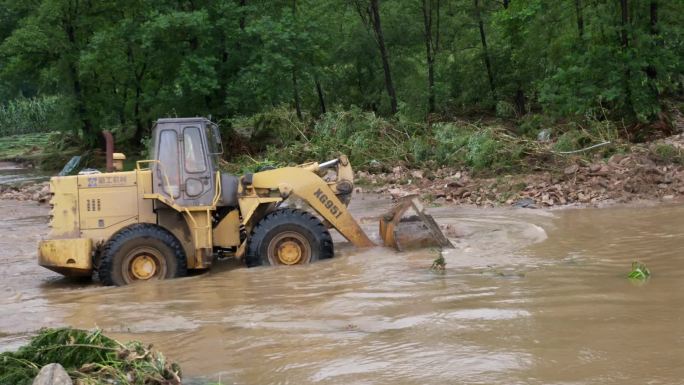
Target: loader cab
(187,151)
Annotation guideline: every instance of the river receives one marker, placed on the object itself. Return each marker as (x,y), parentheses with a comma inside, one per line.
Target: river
(528,297)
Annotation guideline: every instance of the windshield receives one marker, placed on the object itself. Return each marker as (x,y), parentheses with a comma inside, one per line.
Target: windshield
(214,139)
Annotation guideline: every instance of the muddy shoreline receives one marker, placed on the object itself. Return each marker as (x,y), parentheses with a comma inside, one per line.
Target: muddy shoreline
(643,174)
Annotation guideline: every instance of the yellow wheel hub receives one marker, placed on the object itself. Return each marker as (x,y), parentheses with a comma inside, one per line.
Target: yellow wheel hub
(143,267)
(289,253)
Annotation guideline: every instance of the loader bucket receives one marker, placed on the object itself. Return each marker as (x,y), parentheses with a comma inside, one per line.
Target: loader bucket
(406,226)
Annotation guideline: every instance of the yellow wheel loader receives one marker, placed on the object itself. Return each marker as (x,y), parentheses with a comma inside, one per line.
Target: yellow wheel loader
(177,211)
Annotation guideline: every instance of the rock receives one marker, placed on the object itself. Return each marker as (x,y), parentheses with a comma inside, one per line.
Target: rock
(52,374)
(584,198)
(418,174)
(668,197)
(616,158)
(455,183)
(460,192)
(571,169)
(397,193)
(667,179)
(525,203)
(595,167)
(374,165)
(544,135)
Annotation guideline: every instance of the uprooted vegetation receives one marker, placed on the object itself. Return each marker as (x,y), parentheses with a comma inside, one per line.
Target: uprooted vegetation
(90,358)
(376,144)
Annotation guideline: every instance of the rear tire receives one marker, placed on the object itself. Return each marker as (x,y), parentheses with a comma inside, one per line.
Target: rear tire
(288,237)
(141,252)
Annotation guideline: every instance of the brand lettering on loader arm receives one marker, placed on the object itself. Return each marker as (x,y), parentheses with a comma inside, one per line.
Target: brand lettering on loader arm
(334,210)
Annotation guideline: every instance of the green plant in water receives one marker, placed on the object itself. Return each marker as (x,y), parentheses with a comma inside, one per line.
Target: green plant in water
(639,271)
(439,264)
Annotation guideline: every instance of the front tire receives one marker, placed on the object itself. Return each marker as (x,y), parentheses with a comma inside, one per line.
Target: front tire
(141,252)
(288,237)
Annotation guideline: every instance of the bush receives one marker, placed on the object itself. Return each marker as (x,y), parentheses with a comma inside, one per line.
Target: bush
(531,124)
(490,150)
(379,143)
(278,126)
(572,140)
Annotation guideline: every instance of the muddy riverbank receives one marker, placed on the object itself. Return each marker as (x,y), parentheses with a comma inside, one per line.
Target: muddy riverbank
(528,297)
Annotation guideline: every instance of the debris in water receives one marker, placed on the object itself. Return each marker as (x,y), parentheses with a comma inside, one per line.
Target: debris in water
(89,358)
(639,271)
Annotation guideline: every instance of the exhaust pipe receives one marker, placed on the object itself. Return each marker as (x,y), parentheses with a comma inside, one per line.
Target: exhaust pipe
(109,150)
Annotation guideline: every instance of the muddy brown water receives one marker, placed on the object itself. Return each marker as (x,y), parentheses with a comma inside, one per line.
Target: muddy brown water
(528,297)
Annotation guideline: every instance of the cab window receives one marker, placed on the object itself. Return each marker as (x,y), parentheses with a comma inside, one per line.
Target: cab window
(168,158)
(195,161)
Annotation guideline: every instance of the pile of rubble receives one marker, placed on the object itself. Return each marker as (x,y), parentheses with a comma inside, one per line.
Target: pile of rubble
(39,192)
(621,178)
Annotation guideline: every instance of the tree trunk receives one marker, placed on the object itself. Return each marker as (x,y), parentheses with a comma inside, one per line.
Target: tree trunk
(429,52)
(654,17)
(242,15)
(77,88)
(139,128)
(651,70)
(624,37)
(580,18)
(520,108)
(139,125)
(295,87)
(295,94)
(624,40)
(485,51)
(321,98)
(377,28)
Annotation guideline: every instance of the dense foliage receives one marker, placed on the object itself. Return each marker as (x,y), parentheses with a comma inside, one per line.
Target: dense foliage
(120,64)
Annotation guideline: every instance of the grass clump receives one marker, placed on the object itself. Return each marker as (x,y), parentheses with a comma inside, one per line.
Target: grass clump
(25,116)
(667,153)
(90,358)
(639,271)
(439,264)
